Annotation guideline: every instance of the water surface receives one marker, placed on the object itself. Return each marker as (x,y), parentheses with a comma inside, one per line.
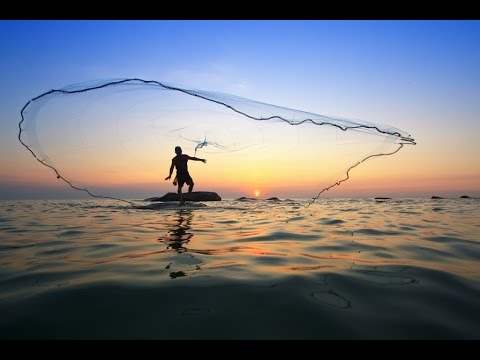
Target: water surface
(339,269)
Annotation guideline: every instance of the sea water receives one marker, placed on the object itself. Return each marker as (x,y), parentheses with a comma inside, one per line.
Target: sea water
(241,269)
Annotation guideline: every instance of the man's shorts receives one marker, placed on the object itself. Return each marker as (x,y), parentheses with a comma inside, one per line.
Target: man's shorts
(184,178)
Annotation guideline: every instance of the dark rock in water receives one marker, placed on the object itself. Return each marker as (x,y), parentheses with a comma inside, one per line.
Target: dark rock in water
(383,198)
(243,198)
(194,196)
(465,197)
(436,197)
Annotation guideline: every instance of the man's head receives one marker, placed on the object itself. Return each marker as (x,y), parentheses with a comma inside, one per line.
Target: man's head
(178,150)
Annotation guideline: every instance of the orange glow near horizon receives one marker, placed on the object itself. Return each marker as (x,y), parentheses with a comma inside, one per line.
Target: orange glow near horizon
(276,171)
(373,178)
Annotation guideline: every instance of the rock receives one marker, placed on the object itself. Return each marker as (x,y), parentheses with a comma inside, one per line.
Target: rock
(194,196)
(436,197)
(465,197)
(243,198)
(383,198)
(273,199)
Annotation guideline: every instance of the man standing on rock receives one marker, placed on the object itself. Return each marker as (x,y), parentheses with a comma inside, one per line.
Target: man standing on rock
(180,162)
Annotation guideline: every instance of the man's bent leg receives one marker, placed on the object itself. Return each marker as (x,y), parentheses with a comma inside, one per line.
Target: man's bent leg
(180,197)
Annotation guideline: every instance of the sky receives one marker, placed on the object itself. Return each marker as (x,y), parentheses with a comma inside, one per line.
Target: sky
(422,77)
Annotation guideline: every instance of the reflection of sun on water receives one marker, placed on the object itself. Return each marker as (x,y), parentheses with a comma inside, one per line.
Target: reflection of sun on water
(257,192)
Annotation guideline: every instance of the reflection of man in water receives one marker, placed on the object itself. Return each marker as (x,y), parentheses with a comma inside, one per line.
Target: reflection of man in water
(177,239)
(179,236)
(180,162)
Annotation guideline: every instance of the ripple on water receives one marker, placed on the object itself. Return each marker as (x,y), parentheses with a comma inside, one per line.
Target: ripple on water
(346,247)
(468,250)
(271,260)
(282,235)
(72,233)
(376,232)
(445,239)
(426,253)
(331,298)
(328,221)
(382,277)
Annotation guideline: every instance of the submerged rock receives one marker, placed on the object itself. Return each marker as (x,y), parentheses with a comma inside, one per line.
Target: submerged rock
(383,198)
(436,197)
(465,197)
(194,196)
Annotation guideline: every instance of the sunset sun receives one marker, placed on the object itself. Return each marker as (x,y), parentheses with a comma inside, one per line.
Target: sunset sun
(257,192)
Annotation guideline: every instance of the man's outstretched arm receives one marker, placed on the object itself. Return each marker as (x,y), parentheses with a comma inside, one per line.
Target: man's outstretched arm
(197,159)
